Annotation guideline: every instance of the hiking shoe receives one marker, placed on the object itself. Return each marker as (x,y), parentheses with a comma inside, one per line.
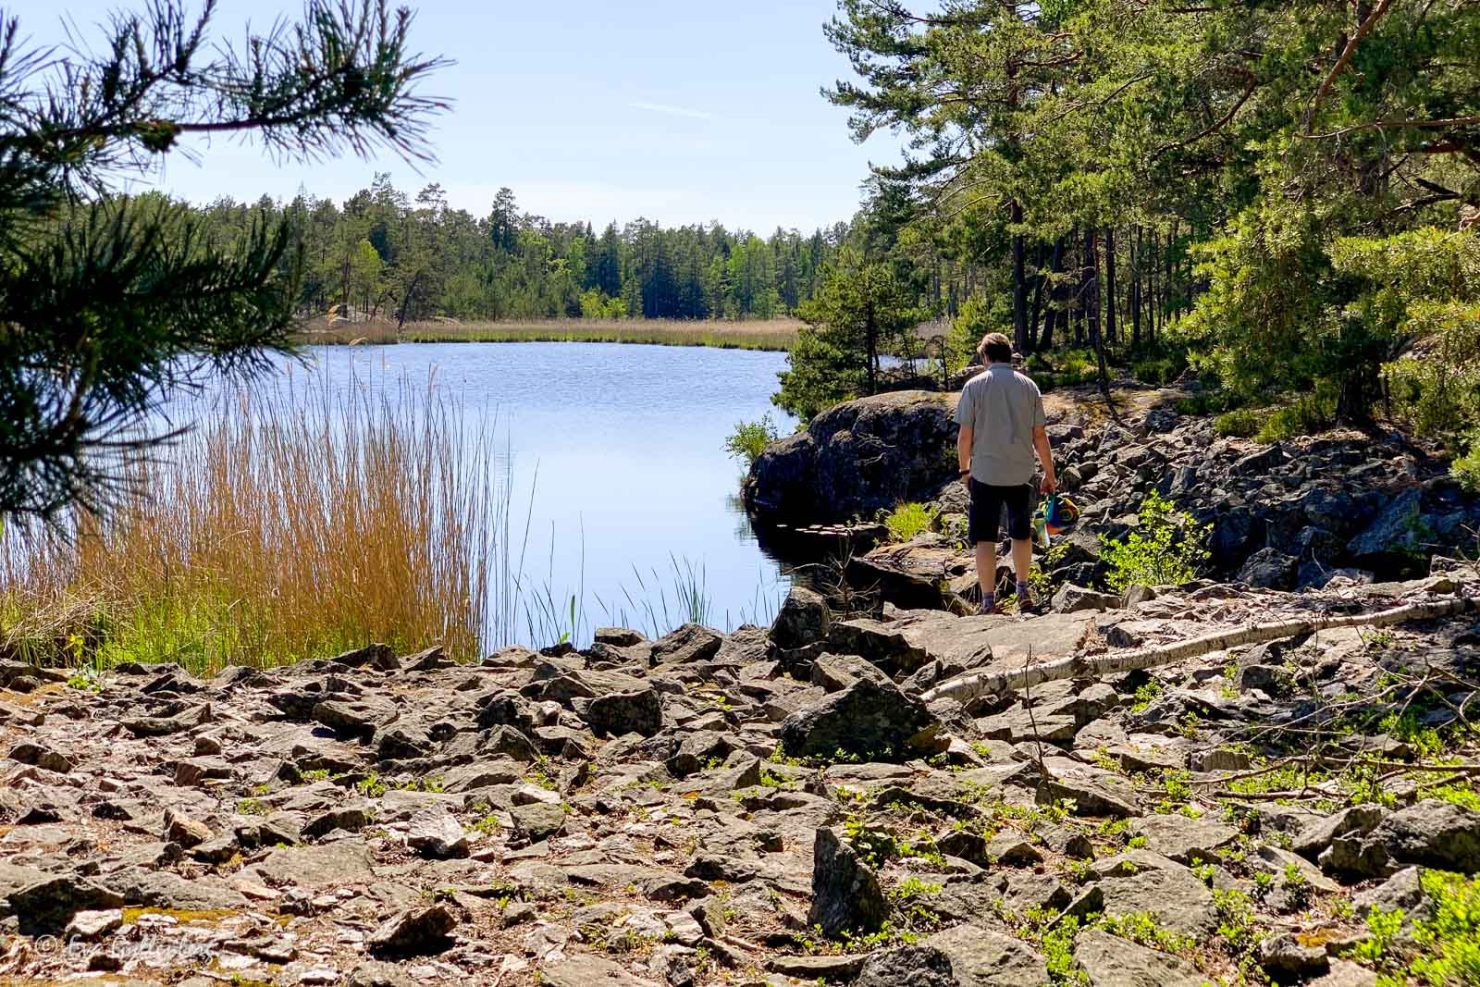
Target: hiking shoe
(1031,607)
(987,609)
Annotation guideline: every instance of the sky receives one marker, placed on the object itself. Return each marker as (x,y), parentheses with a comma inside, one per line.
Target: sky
(679,111)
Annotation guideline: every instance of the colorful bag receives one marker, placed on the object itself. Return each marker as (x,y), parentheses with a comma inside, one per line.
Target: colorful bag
(1059,514)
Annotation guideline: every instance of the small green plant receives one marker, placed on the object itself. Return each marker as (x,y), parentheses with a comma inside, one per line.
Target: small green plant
(1242,423)
(1297,887)
(1146,695)
(1058,954)
(1166,547)
(1382,929)
(910,520)
(1235,918)
(1466,468)
(749,439)
(1143,928)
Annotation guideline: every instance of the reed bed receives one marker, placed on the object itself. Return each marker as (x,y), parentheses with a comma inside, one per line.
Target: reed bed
(774,334)
(284,526)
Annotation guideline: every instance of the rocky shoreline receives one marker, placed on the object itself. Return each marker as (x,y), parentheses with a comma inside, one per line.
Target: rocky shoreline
(772,806)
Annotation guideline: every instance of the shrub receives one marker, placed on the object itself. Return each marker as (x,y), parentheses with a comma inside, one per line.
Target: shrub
(910,520)
(1242,424)
(1167,547)
(1306,416)
(750,439)
(1466,468)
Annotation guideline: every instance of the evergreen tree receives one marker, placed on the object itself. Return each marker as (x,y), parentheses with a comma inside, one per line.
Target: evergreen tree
(107,303)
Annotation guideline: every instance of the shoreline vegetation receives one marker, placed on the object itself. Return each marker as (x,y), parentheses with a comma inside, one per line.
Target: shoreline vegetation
(776,335)
(269,533)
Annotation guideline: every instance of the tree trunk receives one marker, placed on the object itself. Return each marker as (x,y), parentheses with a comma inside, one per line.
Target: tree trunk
(1135,297)
(1092,312)
(1020,340)
(1110,330)
(1052,313)
(1037,298)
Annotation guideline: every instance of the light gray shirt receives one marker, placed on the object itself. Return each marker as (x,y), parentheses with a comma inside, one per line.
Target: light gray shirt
(1001,407)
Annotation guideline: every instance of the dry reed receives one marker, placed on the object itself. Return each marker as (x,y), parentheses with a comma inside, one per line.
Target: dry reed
(772,334)
(284,526)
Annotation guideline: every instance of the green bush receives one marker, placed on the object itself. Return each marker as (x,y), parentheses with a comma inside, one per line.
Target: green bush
(750,439)
(1168,547)
(909,520)
(1306,416)
(1242,423)
(1466,468)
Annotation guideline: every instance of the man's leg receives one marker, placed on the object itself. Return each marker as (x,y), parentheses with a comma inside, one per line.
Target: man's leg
(986,567)
(1022,559)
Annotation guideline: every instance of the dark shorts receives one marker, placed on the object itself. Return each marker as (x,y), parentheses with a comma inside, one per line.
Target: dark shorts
(987,502)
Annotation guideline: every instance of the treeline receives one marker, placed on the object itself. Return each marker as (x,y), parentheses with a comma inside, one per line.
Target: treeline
(1281,196)
(383,253)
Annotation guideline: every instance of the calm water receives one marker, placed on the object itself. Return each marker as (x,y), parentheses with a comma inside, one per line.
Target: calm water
(616,453)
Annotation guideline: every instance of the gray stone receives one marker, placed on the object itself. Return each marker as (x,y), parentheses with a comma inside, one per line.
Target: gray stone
(538,820)
(1432,834)
(916,966)
(804,618)
(414,931)
(846,896)
(870,719)
(1269,568)
(689,643)
(433,832)
(41,756)
(90,926)
(1074,599)
(1283,956)
(1110,961)
(344,863)
(1185,840)
(47,906)
(986,958)
(640,711)
(585,970)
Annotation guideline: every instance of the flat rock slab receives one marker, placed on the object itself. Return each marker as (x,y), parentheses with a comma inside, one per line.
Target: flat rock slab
(586,971)
(1110,961)
(1007,639)
(317,866)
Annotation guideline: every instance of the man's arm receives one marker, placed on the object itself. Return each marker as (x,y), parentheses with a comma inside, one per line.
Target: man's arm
(963,452)
(1045,456)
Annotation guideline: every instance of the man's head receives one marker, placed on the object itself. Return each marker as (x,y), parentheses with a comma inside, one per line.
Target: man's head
(994,348)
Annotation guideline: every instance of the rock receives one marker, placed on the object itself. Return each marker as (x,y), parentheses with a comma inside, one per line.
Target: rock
(1187,841)
(414,931)
(870,719)
(1073,599)
(857,458)
(804,618)
(1404,890)
(584,970)
(986,958)
(433,832)
(1394,542)
(689,643)
(373,973)
(1269,568)
(1432,834)
(885,645)
(47,906)
(619,713)
(846,896)
(380,656)
(1283,957)
(1345,974)
(1318,835)
(1142,881)
(916,966)
(538,820)
(814,968)
(618,637)
(157,726)
(1109,961)
(353,718)
(350,818)
(340,863)
(185,831)
(41,756)
(90,926)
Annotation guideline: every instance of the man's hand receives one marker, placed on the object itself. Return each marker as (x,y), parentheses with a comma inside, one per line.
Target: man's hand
(966,478)
(1048,484)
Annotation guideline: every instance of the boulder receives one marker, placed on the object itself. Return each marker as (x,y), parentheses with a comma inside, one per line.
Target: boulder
(870,720)
(1432,834)
(1395,542)
(846,896)
(435,833)
(1269,568)
(689,643)
(1109,961)
(1072,599)
(640,711)
(857,458)
(804,618)
(414,931)
(917,966)
(981,957)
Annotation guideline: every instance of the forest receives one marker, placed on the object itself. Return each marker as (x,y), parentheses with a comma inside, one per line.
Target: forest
(387,254)
(1283,197)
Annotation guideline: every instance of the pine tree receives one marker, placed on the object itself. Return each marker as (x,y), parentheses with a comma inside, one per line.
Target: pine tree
(108,303)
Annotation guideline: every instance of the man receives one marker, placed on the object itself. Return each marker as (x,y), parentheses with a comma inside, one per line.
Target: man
(1002,426)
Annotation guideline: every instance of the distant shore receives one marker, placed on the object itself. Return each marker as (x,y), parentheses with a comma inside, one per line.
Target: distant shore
(769,334)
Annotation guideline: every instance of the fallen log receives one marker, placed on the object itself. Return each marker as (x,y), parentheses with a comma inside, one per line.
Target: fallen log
(965,688)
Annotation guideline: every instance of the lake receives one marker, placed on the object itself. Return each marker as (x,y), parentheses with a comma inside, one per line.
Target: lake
(617,464)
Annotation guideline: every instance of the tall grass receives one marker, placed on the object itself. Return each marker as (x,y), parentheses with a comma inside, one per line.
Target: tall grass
(774,334)
(285,526)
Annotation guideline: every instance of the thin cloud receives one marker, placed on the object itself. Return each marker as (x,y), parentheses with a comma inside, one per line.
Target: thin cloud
(673,111)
